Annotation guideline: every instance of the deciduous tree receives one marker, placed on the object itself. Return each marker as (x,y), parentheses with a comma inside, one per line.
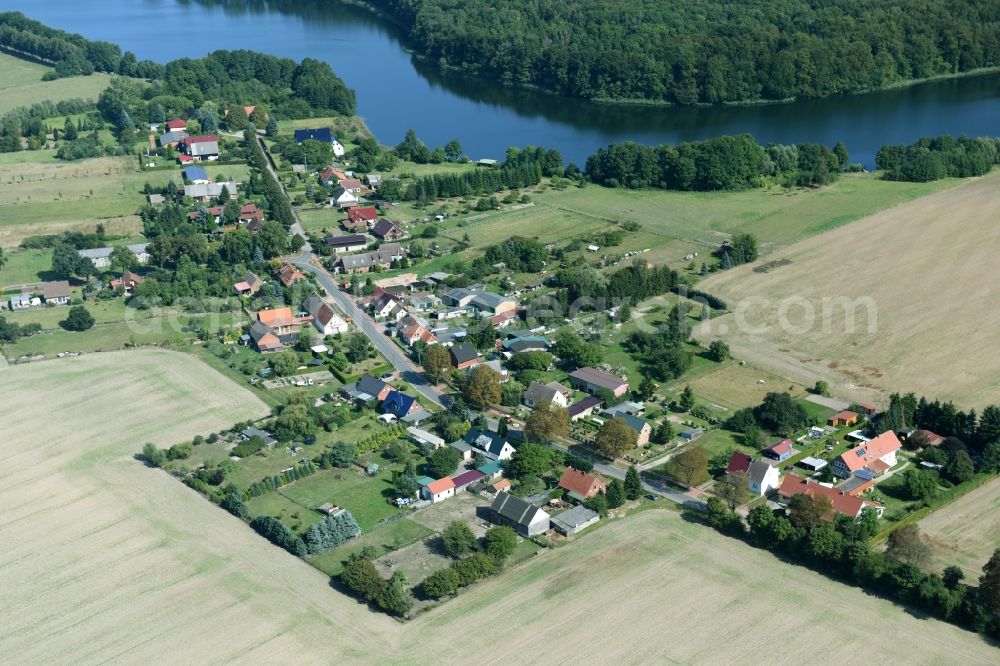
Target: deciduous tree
(615,437)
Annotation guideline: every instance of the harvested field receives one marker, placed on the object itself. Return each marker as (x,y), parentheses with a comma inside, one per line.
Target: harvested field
(966,532)
(914,272)
(105,560)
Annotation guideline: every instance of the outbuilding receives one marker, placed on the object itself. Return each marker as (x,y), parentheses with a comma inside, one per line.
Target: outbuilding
(574,520)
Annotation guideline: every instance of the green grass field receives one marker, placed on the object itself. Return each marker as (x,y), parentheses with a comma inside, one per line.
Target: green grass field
(359,494)
(397,534)
(24,267)
(21,84)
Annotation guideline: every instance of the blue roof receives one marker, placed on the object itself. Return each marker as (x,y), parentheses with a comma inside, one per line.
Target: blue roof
(317,134)
(195,173)
(397,404)
(425,480)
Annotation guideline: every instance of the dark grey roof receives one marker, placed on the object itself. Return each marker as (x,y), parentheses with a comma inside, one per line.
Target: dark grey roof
(464,352)
(484,440)
(370,385)
(514,509)
(259,330)
(344,241)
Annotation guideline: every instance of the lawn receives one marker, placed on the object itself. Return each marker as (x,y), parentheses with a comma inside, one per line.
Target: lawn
(394,536)
(296,517)
(21,84)
(348,488)
(117,326)
(24,267)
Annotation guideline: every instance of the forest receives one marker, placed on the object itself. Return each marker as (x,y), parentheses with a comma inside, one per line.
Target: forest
(703,51)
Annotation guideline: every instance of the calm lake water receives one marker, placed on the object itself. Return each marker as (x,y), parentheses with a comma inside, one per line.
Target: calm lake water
(397,92)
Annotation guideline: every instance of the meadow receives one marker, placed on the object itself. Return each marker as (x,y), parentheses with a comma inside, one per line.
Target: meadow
(21,84)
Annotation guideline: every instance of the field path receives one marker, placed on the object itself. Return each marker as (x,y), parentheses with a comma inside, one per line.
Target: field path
(903,300)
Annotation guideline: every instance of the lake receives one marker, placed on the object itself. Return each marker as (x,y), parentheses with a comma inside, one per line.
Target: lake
(397,91)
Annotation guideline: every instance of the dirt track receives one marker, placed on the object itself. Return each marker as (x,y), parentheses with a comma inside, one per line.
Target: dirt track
(105,560)
(926,267)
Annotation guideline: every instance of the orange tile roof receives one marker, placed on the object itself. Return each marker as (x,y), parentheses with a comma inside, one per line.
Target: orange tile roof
(866,454)
(580,483)
(502,484)
(842,503)
(440,485)
(277,317)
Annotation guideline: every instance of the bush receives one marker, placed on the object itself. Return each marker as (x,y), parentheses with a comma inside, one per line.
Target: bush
(277,533)
(500,542)
(458,539)
(78,319)
(153,455)
(441,583)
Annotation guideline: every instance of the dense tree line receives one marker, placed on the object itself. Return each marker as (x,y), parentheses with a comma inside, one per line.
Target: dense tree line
(977,432)
(277,533)
(840,549)
(703,53)
(71,54)
(28,122)
(466,183)
(262,182)
(941,157)
(722,163)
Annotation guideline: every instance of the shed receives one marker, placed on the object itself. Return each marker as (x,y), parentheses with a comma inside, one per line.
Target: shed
(575,520)
(691,434)
(425,438)
(466,479)
(815,464)
(464,450)
(526,518)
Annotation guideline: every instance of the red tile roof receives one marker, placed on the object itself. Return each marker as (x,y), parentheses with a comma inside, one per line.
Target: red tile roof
(277,317)
(781,448)
(846,415)
(200,138)
(581,483)
(843,503)
(357,213)
(738,462)
(176,124)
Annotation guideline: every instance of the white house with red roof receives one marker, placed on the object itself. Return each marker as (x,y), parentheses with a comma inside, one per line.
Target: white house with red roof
(877,456)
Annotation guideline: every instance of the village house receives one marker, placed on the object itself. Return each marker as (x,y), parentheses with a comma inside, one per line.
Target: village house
(361,217)
(352,185)
(440,490)
(877,455)
(282,322)
(176,125)
(411,329)
(388,231)
(171,139)
(289,274)
(343,244)
(381,258)
(526,518)
(214,214)
(264,339)
(642,428)
(591,380)
(457,297)
(367,389)
(762,477)
(399,404)
(521,341)
(322,134)
(196,175)
(463,355)
(575,520)
(250,214)
(374,180)
(201,147)
(56,292)
(490,444)
(324,318)
(780,451)
(384,305)
(843,503)
(21,302)
(581,485)
(553,392)
(210,191)
(249,286)
(492,470)
(739,463)
(328,175)
(342,198)
(583,408)
(100,257)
